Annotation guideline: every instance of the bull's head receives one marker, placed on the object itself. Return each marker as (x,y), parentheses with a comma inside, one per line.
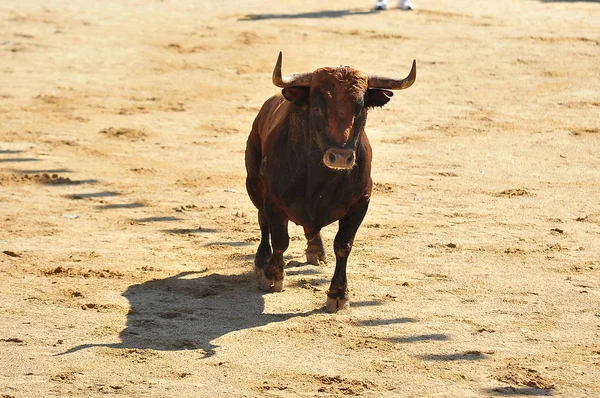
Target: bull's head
(337,100)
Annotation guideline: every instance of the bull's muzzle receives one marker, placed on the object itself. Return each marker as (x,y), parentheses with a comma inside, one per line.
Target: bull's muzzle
(339,158)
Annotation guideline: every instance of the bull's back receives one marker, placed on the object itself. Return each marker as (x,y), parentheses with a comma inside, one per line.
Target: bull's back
(271,119)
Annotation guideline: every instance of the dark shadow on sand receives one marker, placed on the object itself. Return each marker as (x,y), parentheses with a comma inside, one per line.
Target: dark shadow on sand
(384,322)
(18,160)
(10,151)
(232,244)
(309,15)
(461,356)
(156,219)
(367,303)
(102,194)
(42,171)
(190,311)
(135,205)
(417,338)
(519,391)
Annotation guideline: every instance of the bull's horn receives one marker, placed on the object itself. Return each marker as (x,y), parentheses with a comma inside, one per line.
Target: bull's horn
(394,84)
(297,79)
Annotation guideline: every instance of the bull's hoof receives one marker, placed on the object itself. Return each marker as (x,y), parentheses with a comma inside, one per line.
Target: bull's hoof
(268,285)
(312,258)
(264,283)
(277,286)
(315,258)
(337,304)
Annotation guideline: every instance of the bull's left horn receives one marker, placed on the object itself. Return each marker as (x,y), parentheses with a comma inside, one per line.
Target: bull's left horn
(297,79)
(394,84)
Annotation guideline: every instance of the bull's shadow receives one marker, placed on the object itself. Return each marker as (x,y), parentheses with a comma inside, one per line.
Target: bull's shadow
(190,311)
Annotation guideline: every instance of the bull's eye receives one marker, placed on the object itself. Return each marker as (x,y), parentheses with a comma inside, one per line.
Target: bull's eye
(318,111)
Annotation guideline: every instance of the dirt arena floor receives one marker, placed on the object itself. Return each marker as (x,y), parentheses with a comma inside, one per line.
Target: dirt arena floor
(127,237)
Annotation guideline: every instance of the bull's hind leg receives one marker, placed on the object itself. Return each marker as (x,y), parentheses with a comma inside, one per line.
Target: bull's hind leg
(315,252)
(272,279)
(337,296)
(256,191)
(263,254)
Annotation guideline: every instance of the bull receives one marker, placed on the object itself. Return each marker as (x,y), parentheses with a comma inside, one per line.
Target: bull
(308,160)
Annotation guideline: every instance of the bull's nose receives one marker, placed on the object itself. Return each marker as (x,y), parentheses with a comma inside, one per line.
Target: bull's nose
(339,158)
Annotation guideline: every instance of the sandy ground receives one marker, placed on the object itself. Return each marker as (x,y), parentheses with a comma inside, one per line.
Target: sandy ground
(127,237)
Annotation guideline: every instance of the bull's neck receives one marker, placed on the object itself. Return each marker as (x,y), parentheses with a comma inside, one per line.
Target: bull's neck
(298,128)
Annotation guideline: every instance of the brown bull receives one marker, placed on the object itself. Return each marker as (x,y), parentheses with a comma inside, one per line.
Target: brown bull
(309,161)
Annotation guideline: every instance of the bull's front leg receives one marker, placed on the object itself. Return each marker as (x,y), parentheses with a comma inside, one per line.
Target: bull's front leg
(272,278)
(337,296)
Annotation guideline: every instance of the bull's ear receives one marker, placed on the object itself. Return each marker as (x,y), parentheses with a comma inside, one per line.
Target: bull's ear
(297,95)
(377,97)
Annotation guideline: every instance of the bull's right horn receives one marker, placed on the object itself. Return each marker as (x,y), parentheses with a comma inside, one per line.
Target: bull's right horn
(394,84)
(297,79)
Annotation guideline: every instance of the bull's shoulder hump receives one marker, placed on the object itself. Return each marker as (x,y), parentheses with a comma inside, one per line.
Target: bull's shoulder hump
(274,115)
